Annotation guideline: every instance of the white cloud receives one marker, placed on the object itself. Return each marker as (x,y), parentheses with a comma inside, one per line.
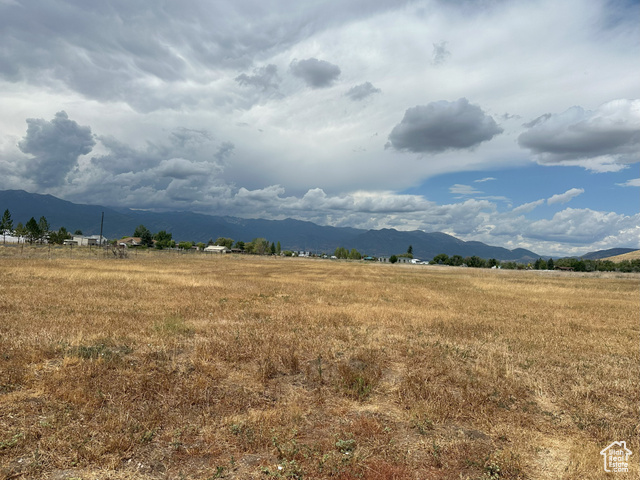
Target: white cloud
(485,179)
(601,140)
(565,197)
(463,189)
(634,182)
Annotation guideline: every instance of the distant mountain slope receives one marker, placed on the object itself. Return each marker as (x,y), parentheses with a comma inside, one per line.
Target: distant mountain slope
(634,255)
(292,234)
(612,252)
(428,245)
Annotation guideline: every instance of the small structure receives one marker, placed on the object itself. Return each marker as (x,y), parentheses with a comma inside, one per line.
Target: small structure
(216,249)
(130,242)
(564,269)
(85,241)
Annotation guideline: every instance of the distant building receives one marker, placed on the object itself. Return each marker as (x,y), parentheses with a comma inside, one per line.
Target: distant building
(216,249)
(85,241)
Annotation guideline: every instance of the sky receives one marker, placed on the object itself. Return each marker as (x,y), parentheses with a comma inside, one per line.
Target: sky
(515,123)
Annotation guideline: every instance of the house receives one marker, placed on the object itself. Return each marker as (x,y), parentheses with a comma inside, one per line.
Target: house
(130,242)
(85,241)
(216,249)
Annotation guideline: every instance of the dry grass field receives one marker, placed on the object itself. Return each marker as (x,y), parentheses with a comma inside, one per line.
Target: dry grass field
(165,366)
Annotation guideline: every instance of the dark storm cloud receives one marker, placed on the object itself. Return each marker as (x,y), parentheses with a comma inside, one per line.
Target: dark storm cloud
(440,53)
(360,92)
(183,143)
(263,78)
(142,53)
(441,126)
(316,73)
(55,147)
(612,130)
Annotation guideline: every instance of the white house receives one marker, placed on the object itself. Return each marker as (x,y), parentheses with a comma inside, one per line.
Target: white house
(87,241)
(216,249)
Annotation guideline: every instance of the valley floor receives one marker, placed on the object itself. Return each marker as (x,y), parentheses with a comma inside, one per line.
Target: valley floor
(192,366)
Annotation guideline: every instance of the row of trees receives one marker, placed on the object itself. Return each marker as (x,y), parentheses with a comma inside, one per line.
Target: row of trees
(577,264)
(164,239)
(352,254)
(33,231)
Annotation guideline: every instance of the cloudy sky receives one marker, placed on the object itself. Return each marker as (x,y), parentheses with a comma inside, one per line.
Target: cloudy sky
(516,123)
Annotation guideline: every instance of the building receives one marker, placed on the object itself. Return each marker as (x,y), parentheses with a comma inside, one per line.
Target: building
(216,249)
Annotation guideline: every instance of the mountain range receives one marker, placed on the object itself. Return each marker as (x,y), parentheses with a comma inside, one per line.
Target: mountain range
(296,235)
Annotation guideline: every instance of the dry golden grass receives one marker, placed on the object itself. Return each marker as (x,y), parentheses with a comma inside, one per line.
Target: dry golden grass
(164,366)
(625,256)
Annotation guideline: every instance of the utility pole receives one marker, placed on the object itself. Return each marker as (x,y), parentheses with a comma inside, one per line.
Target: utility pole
(101,222)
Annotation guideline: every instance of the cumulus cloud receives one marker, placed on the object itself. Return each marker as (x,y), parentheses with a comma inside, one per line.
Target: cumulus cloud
(55,147)
(362,91)
(441,126)
(565,197)
(580,226)
(440,53)
(604,139)
(315,73)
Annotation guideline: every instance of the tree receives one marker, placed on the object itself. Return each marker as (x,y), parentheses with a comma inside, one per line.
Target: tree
(6,225)
(273,248)
(139,231)
(341,252)
(410,251)
(493,263)
(32,230)
(163,239)
(240,245)
(185,245)
(441,258)
(540,264)
(44,227)
(393,259)
(210,242)
(20,231)
(146,238)
(79,232)
(201,246)
(354,254)
(257,246)
(278,249)
(60,236)
(224,242)
(455,260)
(550,265)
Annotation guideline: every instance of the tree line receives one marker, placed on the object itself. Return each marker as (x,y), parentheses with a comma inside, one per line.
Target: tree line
(33,231)
(575,264)
(164,239)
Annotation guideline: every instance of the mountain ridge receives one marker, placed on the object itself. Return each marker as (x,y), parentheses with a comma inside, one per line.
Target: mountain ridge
(293,234)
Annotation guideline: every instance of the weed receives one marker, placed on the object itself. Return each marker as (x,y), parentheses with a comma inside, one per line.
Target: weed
(12,442)
(173,326)
(346,446)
